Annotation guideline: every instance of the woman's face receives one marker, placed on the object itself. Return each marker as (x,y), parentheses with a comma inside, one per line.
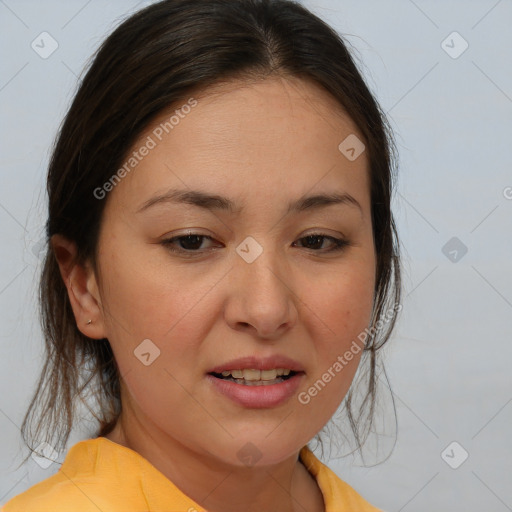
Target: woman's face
(251,281)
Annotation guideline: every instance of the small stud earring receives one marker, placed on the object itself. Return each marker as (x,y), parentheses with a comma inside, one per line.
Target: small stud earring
(88,322)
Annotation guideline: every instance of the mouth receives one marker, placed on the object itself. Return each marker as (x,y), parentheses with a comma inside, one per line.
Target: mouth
(255,377)
(257,382)
(254,388)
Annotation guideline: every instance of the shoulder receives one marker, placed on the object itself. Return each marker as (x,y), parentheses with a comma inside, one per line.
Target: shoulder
(80,484)
(338,495)
(54,494)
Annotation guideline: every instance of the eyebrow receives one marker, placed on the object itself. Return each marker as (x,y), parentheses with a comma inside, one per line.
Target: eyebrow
(217,202)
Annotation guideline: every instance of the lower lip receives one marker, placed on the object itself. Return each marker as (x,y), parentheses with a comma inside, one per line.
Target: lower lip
(258,397)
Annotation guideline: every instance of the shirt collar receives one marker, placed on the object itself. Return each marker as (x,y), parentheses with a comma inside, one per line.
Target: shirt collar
(108,456)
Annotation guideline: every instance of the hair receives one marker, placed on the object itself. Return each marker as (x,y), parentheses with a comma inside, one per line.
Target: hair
(152,60)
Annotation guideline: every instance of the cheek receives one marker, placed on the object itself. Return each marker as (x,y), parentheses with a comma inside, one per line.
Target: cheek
(343,313)
(149,300)
(343,303)
(155,317)
(170,308)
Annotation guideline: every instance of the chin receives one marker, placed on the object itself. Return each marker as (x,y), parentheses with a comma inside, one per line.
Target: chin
(260,450)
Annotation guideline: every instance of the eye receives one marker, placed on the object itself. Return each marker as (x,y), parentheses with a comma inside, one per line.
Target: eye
(317,239)
(192,243)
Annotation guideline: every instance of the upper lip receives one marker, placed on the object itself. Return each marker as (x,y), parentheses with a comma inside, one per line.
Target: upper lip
(259,363)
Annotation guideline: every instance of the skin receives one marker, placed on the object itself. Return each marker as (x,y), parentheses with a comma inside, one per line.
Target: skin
(262,144)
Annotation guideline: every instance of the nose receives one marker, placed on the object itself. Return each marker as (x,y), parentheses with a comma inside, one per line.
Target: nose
(261,297)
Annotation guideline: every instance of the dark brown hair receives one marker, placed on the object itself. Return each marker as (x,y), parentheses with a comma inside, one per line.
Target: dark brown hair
(156,58)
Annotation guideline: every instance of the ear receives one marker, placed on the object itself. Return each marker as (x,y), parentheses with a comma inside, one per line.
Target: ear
(82,288)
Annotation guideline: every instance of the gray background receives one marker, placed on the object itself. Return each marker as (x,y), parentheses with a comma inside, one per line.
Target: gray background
(449,360)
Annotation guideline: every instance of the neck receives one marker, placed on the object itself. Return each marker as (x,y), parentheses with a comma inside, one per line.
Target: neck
(221,487)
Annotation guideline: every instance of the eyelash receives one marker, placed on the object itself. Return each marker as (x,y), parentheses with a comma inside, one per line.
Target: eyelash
(339,243)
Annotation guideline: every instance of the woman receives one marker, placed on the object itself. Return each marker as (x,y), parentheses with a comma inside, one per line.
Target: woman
(221,252)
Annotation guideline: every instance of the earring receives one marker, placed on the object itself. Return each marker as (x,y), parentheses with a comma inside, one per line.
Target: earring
(88,322)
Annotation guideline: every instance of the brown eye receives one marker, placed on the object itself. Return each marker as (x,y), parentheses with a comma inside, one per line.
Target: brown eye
(190,243)
(316,240)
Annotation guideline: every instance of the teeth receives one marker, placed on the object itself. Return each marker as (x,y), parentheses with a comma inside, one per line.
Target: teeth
(267,375)
(256,375)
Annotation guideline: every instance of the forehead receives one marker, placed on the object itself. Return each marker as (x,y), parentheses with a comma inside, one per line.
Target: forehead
(244,138)
(232,111)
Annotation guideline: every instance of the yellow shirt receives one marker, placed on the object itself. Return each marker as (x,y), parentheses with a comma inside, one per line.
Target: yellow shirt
(99,475)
